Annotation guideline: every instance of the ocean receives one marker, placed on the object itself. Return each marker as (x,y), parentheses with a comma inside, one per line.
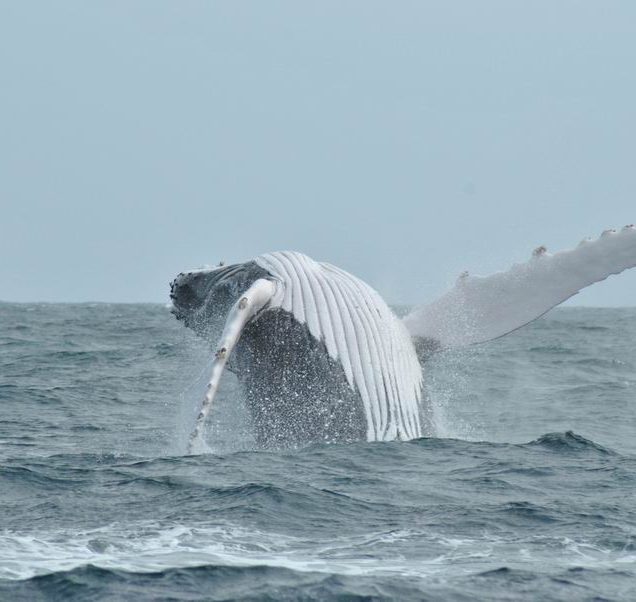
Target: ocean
(526,489)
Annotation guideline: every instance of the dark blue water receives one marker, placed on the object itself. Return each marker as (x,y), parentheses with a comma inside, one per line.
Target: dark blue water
(527,491)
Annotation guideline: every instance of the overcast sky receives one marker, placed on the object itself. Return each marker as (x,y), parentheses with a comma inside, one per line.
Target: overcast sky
(402,141)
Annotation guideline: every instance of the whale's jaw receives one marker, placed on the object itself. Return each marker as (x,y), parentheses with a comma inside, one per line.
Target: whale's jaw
(202,298)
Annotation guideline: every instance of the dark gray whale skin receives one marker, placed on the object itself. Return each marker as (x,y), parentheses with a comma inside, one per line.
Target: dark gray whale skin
(296,394)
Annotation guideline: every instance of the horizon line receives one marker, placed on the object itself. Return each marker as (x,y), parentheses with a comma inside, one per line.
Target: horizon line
(168,304)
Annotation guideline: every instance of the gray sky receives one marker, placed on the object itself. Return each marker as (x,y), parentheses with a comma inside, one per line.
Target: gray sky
(403,141)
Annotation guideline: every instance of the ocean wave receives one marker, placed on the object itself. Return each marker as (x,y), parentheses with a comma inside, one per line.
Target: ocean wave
(209,582)
(570,443)
(231,562)
(149,546)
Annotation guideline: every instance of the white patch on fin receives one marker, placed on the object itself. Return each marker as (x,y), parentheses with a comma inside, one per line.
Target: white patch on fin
(251,302)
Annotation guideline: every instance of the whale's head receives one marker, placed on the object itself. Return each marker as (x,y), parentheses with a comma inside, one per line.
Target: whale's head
(203,297)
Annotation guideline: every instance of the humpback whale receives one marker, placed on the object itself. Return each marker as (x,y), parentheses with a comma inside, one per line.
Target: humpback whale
(321,357)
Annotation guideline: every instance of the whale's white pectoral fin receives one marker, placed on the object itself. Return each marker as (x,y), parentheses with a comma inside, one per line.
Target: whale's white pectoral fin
(250,303)
(479,308)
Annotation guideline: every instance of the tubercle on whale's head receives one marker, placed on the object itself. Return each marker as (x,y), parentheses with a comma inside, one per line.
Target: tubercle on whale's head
(202,298)
(199,296)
